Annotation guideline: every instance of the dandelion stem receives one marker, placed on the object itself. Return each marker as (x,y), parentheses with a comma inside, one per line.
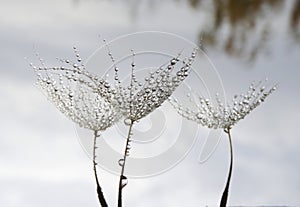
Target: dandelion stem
(126,153)
(225,193)
(99,189)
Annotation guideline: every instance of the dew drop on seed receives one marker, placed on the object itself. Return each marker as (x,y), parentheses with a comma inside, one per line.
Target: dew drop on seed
(127,122)
(121,162)
(124,181)
(173,62)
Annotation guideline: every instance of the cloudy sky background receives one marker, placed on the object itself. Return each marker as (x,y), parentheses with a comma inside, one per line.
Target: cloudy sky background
(42,162)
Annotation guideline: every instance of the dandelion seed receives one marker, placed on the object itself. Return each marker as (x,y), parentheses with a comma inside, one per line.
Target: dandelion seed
(137,99)
(225,116)
(81,96)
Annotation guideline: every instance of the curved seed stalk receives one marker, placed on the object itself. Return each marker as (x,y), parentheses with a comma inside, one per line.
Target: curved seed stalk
(101,198)
(225,193)
(122,162)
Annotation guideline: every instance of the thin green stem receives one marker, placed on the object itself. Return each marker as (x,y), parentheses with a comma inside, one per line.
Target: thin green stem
(122,177)
(225,193)
(99,189)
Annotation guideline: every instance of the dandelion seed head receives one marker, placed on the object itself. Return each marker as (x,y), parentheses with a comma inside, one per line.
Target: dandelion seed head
(225,115)
(139,99)
(81,96)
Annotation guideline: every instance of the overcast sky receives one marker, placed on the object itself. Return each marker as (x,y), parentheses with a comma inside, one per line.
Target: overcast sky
(42,162)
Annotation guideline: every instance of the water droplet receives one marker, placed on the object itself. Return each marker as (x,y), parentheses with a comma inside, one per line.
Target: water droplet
(127,122)
(124,181)
(173,61)
(245,102)
(199,115)
(121,162)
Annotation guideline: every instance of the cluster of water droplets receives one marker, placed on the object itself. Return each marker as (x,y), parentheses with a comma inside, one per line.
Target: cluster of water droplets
(225,116)
(140,98)
(81,96)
